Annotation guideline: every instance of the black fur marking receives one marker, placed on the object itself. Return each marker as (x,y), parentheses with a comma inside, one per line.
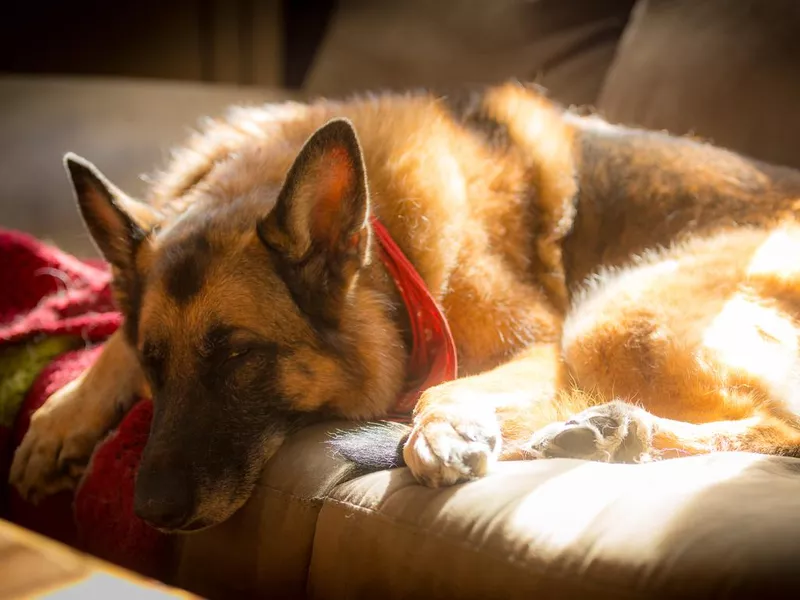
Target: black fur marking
(130,306)
(373,446)
(186,272)
(153,359)
(467,109)
(224,360)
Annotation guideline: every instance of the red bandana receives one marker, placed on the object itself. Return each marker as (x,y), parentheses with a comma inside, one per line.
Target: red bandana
(433,357)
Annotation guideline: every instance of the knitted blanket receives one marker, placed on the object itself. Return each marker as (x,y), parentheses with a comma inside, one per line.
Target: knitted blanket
(55,313)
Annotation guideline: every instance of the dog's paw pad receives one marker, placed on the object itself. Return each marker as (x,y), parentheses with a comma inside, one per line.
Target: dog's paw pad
(577,440)
(444,449)
(612,432)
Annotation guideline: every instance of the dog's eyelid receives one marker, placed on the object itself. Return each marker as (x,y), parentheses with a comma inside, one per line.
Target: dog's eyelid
(228,341)
(244,346)
(238,352)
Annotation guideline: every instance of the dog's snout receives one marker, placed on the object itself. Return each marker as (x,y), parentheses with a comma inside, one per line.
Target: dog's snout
(164,499)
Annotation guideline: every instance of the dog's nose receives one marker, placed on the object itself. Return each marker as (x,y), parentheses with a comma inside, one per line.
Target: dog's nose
(163,499)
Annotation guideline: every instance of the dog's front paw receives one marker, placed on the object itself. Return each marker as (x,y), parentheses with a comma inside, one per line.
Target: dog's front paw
(612,432)
(56,448)
(452,443)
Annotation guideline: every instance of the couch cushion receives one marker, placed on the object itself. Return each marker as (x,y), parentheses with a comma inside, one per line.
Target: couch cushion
(267,545)
(565,45)
(731,79)
(687,528)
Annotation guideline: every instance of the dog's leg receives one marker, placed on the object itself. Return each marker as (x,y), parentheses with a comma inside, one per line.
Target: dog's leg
(462,427)
(528,408)
(65,430)
(621,432)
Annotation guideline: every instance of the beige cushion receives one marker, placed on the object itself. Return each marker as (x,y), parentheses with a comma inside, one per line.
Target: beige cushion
(691,527)
(566,45)
(684,528)
(726,71)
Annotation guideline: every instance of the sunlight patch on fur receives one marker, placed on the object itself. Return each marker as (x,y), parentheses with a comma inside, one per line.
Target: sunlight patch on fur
(778,255)
(758,340)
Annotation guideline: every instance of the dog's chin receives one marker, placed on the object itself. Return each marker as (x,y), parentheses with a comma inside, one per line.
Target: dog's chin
(201,521)
(193,526)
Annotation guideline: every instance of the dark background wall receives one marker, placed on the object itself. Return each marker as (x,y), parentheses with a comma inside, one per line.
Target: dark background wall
(246,42)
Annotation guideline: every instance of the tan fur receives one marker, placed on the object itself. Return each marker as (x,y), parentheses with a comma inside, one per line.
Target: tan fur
(613,294)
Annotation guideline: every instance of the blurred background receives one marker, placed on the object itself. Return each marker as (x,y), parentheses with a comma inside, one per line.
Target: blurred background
(121,82)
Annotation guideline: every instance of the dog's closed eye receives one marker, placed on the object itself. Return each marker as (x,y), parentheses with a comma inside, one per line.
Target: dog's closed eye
(237,354)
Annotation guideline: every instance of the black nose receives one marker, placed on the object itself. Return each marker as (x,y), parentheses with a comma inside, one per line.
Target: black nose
(163,498)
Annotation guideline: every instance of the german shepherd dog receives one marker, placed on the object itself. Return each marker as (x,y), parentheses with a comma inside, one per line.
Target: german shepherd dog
(614,294)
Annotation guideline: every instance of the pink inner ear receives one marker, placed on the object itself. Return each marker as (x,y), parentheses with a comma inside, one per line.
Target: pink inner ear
(335,182)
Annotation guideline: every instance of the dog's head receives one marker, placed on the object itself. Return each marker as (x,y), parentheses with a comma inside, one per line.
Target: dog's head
(248,317)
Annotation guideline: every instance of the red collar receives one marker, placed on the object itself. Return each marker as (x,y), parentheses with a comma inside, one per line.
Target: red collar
(433,357)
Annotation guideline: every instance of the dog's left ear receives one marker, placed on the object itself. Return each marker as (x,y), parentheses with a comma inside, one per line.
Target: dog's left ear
(115,221)
(319,224)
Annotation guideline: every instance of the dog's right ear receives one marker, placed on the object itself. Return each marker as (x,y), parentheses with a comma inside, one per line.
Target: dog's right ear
(320,223)
(116,222)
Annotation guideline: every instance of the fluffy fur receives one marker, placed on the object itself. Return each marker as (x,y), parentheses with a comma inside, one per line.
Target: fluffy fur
(614,294)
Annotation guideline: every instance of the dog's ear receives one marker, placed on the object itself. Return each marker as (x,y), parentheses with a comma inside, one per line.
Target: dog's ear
(319,225)
(116,222)
(324,200)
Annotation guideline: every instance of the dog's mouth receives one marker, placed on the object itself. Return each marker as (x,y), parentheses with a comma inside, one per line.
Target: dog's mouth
(192,523)
(190,527)
(175,512)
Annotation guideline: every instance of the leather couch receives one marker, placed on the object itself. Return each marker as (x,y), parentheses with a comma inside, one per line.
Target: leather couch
(705,527)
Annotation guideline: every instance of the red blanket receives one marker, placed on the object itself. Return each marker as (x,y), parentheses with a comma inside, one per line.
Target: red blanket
(46,294)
